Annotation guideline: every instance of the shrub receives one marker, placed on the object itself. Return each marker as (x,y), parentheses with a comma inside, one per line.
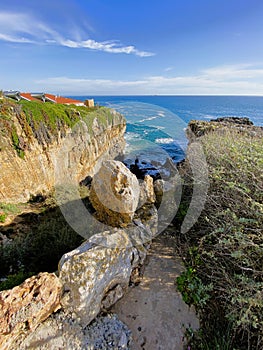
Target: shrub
(228,240)
(42,240)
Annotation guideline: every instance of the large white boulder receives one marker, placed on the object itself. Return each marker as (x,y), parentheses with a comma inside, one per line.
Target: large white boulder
(115,193)
(96,274)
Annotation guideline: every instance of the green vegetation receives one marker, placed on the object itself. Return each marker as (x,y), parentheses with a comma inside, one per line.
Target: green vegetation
(224,250)
(15,279)
(7,209)
(39,238)
(55,116)
(44,122)
(43,237)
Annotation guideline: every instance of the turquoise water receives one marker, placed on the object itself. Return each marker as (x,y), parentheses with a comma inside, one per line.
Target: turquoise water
(156,124)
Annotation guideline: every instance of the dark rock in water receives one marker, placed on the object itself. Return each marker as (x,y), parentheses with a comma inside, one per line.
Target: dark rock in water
(141,169)
(235,120)
(155,169)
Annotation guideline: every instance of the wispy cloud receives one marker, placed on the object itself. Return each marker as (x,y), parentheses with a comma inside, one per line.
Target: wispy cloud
(23,28)
(224,80)
(237,71)
(169,69)
(106,46)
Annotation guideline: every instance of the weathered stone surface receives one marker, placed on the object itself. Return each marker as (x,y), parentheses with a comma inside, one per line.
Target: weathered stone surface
(60,331)
(148,219)
(158,190)
(79,152)
(168,196)
(114,193)
(24,307)
(97,273)
(88,274)
(147,194)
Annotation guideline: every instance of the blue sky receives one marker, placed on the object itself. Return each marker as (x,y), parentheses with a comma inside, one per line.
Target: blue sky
(118,47)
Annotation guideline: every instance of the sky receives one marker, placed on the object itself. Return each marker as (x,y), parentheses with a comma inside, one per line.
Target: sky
(138,47)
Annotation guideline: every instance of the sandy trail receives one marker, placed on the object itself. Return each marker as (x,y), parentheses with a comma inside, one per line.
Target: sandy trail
(154,310)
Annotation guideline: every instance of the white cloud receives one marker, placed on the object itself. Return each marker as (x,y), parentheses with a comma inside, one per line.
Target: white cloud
(238,71)
(23,28)
(13,39)
(106,46)
(222,80)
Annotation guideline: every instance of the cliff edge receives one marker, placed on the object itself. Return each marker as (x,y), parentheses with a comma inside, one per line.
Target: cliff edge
(34,137)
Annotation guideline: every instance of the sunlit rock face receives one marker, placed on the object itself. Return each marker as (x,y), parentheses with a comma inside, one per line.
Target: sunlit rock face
(24,307)
(114,194)
(97,274)
(76,152)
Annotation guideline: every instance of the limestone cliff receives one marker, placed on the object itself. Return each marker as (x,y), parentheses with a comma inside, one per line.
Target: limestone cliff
(35,136)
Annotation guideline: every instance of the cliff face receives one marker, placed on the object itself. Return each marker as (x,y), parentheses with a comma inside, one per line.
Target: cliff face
(31,148)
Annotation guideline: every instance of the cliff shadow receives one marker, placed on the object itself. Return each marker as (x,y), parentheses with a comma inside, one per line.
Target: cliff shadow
(34,241)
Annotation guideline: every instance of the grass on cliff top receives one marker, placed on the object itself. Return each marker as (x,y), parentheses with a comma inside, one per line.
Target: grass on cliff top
(50,113)
(224,250)
(44,121)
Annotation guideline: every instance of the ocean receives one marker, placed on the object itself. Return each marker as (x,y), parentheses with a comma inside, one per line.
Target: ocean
(156,124)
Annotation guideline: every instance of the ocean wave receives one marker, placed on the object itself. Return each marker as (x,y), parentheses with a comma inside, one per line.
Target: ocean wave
(149,118)
(158,127)
(132,135)
(164,140)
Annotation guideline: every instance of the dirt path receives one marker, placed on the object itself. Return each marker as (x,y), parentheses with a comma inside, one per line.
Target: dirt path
(154,310)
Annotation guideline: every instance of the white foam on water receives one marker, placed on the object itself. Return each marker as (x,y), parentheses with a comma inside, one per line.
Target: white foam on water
(149,118)
(164,140)
(132,135)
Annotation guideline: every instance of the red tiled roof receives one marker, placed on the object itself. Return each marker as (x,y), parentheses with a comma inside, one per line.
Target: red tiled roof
(28,96)
(63,100)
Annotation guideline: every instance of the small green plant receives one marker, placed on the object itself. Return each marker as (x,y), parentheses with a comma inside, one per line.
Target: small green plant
(6,209)
(3,217)
(221,337)
(15,279)
(192,288)
(16,143)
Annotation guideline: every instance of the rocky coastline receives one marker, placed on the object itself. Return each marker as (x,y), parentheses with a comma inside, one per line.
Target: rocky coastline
(71,307)
(92,277)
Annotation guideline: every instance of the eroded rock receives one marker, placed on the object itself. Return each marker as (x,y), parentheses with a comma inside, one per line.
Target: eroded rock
(147,195)
(24,307)
(114,193)
(60,331)
(96,274)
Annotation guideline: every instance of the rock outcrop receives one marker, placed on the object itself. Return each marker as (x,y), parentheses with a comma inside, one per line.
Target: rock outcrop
(198,128)
(82,148)
(114,194)
(96,274)
(147,194)
(93,276)
(24,307)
